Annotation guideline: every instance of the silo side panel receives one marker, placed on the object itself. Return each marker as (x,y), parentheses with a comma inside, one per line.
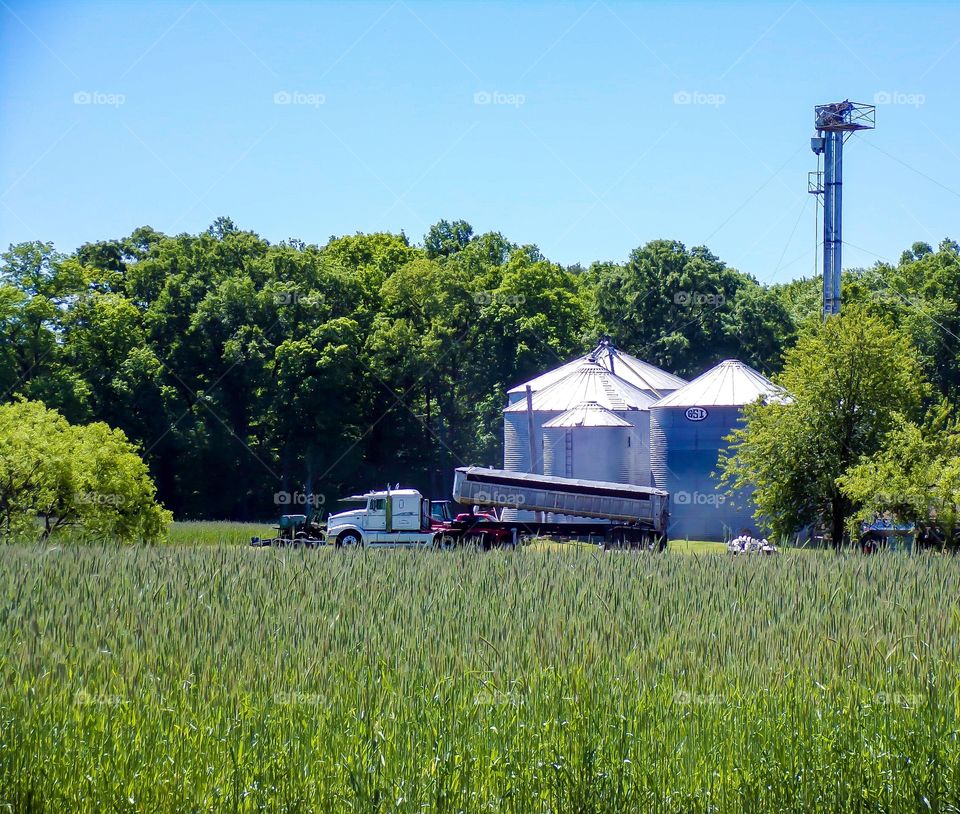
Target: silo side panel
(590,453)
(516,448)
(658,448)
(700,509)
(554,451)
(638,462)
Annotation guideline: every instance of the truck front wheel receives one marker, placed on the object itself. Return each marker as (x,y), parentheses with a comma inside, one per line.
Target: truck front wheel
(445,542)
(349,539)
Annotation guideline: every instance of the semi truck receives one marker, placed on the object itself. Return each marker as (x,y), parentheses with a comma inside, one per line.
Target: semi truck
(614,514)
(395,517)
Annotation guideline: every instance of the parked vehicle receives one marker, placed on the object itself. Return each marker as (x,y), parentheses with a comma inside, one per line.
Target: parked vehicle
(440,512)
(294,530)
(616,514)
(392,517)
(883,533)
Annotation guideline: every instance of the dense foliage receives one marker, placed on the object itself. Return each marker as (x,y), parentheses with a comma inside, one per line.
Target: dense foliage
(88,479)
(248,370)
(221,679)
(914,478)
(258,376)
(850,380)
(851,446)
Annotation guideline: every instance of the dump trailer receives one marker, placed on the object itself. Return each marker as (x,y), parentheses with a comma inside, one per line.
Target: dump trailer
(619,514)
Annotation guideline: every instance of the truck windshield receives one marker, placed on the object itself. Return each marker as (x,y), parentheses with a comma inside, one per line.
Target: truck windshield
(440,510)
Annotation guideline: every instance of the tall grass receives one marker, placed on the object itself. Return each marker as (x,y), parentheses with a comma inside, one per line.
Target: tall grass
(232,679)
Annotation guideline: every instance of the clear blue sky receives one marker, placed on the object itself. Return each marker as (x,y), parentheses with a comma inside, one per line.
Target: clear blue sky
(582,147)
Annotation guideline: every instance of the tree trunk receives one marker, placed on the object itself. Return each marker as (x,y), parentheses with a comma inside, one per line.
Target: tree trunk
(432,468)
(313,509)
(838,513)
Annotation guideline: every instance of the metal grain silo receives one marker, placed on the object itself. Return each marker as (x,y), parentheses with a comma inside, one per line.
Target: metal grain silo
(589,381)
(588,442)
(687,430)
(638,448)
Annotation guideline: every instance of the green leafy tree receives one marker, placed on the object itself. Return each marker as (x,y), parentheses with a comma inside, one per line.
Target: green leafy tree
(37,288)
(914,477)
(848,378)
(530,315)
(921,296)
(445,238)
(56,476)
(686,310)
(314,419)
(328,368)
(415,354)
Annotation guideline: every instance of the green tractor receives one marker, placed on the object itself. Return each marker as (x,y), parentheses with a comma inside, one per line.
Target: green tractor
(295,530)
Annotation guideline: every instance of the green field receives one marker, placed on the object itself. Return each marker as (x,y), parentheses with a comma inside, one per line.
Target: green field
(224,678)
(212,532)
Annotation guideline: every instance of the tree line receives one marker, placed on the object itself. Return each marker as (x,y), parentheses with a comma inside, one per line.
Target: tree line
(255,377)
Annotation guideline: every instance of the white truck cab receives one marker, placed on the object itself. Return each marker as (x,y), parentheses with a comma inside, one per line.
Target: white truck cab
(388,518)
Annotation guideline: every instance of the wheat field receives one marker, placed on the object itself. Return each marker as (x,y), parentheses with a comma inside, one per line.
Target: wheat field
(223,678)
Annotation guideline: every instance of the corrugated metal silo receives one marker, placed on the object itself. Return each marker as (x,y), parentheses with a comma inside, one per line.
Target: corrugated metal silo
(587,382)
(516,443)
(638,460)
(589,442)
(687,430)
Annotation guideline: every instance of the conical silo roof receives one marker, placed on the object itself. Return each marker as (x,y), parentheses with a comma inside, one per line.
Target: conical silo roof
(642,374)
(731,383)
(590,381)
(588,414)
(635,371)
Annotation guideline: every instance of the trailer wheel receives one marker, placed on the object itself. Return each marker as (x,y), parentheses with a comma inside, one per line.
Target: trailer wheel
(614,539)
(870,544)
(349,539)
(446,542)
(479,541)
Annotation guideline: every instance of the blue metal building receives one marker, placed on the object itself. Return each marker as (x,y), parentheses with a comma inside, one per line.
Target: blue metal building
(688,429)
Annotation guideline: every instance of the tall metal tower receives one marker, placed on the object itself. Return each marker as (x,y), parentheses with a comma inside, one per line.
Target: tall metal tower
(834,122)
